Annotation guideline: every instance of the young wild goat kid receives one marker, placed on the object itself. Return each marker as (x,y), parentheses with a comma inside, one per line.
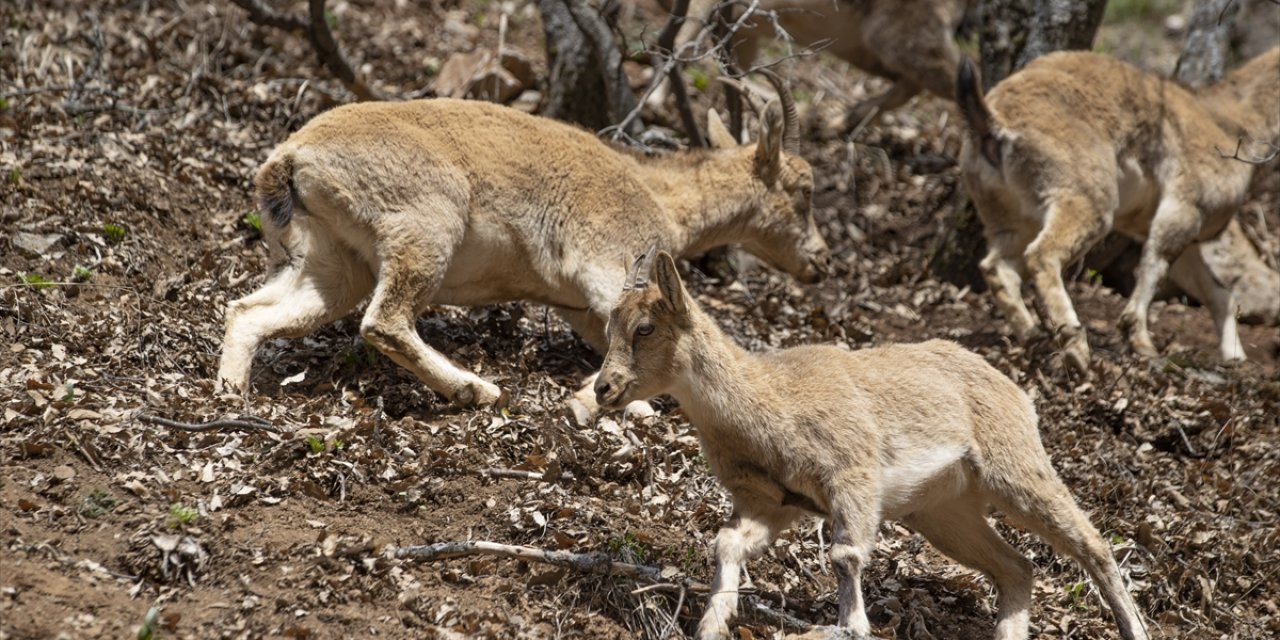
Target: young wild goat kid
(1077,144)
(929,434)
(470,203)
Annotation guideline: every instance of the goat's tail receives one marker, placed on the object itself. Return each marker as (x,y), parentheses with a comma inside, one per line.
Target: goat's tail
(275,190)
(981,125)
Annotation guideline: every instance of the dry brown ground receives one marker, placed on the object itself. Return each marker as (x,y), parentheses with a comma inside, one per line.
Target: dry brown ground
(285,535)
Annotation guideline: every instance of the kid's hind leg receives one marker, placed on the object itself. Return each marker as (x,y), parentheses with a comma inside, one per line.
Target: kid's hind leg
(962,532)
(1048,510)
(1173,229)
(413,265)
(324,286)
(1003,269)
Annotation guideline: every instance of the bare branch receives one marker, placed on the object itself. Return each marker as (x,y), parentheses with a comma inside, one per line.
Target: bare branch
(322,40)
(248,424)
(521,474)
(331,54)
(1275,152)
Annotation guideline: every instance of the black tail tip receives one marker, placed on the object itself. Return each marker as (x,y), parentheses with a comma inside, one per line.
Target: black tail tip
(966,80)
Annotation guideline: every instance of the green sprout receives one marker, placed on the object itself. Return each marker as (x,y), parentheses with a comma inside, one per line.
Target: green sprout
(113,232)
(699,79)
(81,273)
(180,515)
(316,444)
(253,220)
(1076,591)
(36,280)
(97,503)
(15,176)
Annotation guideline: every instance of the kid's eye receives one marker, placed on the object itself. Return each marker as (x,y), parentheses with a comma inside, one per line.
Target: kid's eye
(644,329)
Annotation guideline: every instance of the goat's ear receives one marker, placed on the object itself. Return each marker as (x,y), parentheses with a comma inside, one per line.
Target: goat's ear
(768,161)
(668,279)
(717,133)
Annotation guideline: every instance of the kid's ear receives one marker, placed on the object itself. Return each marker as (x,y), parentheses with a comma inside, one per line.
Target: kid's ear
(668,279)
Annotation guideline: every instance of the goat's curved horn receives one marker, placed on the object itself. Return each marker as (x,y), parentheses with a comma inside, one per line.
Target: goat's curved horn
(638,276)
(790,119)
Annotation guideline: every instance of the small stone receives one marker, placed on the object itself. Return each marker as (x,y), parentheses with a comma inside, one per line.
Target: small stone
(64,473)
(34,243)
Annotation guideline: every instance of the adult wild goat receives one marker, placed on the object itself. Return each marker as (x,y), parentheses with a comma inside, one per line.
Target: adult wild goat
(911,43)
(470,203)
(1076,144)
(927,433)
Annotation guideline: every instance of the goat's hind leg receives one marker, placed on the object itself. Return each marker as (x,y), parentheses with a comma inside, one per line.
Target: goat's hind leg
(1173,228)
(962,532)
(325,285)
(414,259)
(1046,507)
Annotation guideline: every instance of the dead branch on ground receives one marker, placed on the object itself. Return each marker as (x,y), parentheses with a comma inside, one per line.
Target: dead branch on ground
(322,40)
(247,424)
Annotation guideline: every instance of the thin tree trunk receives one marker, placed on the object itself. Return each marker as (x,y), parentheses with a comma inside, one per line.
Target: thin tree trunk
(1208,45)
(585,82)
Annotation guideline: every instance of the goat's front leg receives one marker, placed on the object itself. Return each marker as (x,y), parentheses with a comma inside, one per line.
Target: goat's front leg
(743,538)
(853,524)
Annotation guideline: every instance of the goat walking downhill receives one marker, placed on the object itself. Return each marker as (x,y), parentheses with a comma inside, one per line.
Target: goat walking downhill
(929,434)
(1077,144)
(469,203)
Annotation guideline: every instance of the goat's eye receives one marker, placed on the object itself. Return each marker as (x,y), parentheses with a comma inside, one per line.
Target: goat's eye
(644,329)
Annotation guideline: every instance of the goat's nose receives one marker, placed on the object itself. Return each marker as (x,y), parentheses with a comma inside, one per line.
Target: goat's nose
(602,388)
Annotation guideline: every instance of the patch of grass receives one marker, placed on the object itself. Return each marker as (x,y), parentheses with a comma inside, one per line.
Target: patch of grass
(331,19)
(15,176)
(147,630)
(628,548)
(1121,10)
(114,233)
(316,444)
(698,78)
(36,280)
(181,515)
(97,503)
(253,221)
(4,104)
(366,355)
(81,273)
(1076,591)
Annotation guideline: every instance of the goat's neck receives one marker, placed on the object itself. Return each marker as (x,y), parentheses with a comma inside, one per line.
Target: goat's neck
(722,385)
(708,202)
(1247,101)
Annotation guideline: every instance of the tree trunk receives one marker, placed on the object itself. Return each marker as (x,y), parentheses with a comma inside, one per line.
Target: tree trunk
(586,84)
(1208,44)
(1013,33)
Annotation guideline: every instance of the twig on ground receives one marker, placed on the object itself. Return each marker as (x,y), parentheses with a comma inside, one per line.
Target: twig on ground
(250,424)
(522,474)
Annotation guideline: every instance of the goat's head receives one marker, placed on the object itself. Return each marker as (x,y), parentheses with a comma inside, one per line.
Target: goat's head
(780,227)
(646,333)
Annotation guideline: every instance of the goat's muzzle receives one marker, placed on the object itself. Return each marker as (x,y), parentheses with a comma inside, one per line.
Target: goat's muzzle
(610,393)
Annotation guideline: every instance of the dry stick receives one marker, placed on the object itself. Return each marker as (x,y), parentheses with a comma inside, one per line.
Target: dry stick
(522,474)
(213,425)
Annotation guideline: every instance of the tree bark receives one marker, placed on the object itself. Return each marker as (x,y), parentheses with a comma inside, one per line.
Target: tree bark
(586,84)
(1208,45)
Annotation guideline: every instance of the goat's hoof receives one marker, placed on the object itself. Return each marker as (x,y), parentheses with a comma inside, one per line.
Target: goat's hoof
(830,633)
(1144,348)
(638,410)
(713,631)
(1076,352)
(579,412)
(478,394)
